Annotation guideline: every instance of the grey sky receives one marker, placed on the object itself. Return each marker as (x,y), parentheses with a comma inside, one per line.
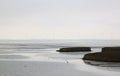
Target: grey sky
(55,19)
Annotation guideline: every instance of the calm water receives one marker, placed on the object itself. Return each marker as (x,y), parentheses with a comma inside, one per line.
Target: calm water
(45,50)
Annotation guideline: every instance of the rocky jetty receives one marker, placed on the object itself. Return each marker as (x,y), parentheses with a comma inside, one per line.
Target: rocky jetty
(108,54)
(74,49)
(111,49)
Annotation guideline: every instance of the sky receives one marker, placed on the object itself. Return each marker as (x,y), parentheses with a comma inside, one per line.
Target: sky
(59,19)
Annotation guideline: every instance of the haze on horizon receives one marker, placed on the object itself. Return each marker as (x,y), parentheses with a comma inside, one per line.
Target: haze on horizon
(59,19)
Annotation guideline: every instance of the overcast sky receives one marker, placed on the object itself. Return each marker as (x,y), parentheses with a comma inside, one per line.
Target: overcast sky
(59,19)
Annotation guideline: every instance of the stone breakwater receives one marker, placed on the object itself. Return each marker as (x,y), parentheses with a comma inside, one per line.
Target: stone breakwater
(108,54)
(74,49)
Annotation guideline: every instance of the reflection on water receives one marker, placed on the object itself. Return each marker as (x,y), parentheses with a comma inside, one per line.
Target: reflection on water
(109,66)
(13,57)
(102,64)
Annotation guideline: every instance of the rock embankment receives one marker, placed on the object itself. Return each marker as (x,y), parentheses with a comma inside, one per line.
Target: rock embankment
(108,54)
(74,49)
(111,49)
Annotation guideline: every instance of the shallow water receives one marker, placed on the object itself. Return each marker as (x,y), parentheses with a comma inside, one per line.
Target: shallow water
(42,57)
